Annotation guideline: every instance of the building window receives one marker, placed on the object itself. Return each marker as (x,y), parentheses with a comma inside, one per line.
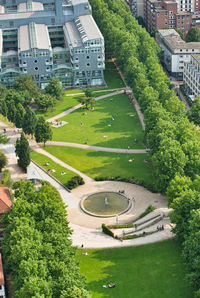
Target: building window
(36,68)
(36,61)
(88,57)
(88,64)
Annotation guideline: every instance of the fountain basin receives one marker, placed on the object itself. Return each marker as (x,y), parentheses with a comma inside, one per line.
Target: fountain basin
(105,204)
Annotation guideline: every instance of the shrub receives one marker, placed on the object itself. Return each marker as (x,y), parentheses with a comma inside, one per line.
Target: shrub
(74,182)
(148,210)
(107,231)
(6,179)
(126,226)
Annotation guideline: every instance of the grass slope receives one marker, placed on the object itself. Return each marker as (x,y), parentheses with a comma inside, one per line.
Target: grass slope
(41,160)
(98,164)
(121,134)
(150,271)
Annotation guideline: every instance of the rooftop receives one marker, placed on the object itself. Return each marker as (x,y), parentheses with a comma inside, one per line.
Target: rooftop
(175,42)
(33,36)
(5,201)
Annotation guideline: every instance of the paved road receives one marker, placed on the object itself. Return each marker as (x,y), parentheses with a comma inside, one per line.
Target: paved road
(97,148)
(80,105)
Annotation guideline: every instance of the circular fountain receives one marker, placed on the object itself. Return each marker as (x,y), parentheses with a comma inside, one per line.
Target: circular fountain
(105,204)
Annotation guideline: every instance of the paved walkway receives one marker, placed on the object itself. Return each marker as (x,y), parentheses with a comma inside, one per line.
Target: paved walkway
(9,150)
(80,105)
(34,146)
(96,148)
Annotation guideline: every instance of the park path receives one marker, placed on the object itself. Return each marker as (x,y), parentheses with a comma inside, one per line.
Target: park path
(97,148)
(80,105)
(34,146)
(135,102)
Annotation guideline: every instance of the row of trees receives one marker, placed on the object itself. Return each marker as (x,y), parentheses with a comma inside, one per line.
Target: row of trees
(173,140)
(37,245)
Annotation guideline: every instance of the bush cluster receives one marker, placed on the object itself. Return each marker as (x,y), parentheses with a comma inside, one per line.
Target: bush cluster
(6,178)
(107,231)
(74,182)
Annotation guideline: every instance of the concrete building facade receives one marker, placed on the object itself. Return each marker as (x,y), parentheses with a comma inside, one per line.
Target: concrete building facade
(191,75)
(175,51)
(50,39)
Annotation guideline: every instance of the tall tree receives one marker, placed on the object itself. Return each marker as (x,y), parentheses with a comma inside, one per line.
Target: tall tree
(23,152)
(11,115)
(3,160)
(3,108)
(26,83)
(54,88)
(29,121)
(43,131)
(19,115)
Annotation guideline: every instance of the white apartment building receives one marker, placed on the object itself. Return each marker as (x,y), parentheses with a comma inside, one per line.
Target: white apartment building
(175,51)
(191,75)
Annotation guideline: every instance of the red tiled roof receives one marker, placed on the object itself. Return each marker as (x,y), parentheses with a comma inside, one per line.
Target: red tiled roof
(5,201)
(1,272)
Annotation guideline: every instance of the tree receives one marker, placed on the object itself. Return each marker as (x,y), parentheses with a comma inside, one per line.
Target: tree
(188,201)
(177,186)
(3,160)
(37,245)
(194,114)
(3,139)
(23,152)
(43,131)
(193,35)
(29,121)
(54,88)
(169,161)
(87,99)
(3,108)
(45,101)
(19,115)
(26,83)
(3,92)
(11,111)
(191,249)
(180,33)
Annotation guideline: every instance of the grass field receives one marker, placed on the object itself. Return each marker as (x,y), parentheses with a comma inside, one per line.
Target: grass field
(150,271)
(98,128)
(67,103)
(41,160)
(98,164)
(112,77)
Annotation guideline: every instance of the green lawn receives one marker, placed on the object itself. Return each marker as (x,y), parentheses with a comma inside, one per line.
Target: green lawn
(150,271)
(98,164)
(112,77)
(65,104)
(95,125)
(42,159)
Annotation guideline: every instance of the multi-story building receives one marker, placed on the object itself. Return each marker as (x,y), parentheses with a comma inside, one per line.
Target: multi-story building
(191,75)
(50,39)
(159,14)
(136,7)
(175,51)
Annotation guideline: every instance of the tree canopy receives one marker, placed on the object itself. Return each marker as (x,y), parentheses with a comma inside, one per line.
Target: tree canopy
(193,35)
(23,152)
(54,88)
(43,131)
(37,245)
